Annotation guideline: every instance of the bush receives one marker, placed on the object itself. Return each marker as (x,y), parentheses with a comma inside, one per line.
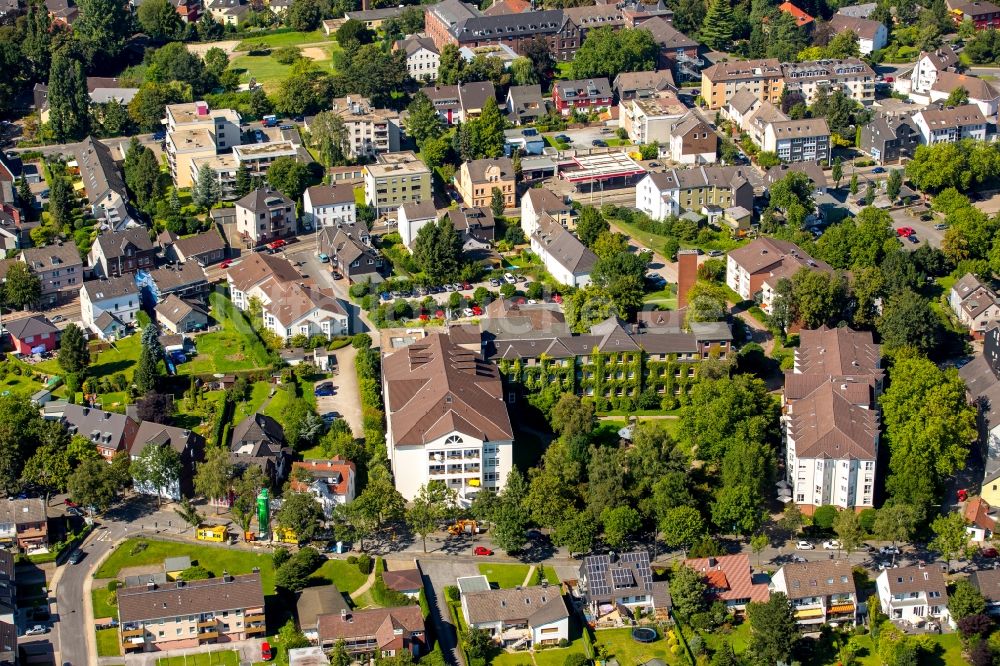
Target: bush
(352,559)
(824,516)
(365,563)
(576,659)
(287,55)
(452,593)
(280,556)
(113,585)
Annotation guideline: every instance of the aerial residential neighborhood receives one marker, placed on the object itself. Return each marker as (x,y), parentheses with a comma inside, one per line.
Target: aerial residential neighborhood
(511,333)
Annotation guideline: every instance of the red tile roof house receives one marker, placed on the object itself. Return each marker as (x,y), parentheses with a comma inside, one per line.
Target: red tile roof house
(404,581)
(730,580)
(584,95)
(331,482)
(385,632)
(801,18)
(33,335)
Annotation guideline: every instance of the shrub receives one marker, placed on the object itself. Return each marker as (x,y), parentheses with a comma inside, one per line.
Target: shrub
(352,559)
(287,55)
(576,659)
(452,593)
(365,563)
(280,556)
(113,585)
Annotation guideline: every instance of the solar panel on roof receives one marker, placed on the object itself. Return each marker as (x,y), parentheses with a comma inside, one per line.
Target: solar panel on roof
(622,578)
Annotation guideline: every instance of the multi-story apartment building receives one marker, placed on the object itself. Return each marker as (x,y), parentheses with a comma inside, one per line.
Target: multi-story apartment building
(613,364)
(754,270)
(851,76)
(193,132)
(821,592)
(422,57)
(981,92)
(700,189)
(476,180)
(157,617)
(445,23)
(329,205)
(539,200)
(585,96)
(108,432)
(951,124)
(263,216)
(109,307)
(914,594)
(872,35)
(722,80)
(446,418)
(395,179)
(984,15)
(224,169)
(831,419)
(103,184)
(369,130)
(564,256)
(460,103)
(258,157)
(975,304)
(691,141)
(804,140)
(59,269)
(890,138)
(928,65)
(649,119)
(117,253)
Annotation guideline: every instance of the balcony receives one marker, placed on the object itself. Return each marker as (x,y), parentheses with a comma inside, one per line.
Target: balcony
(256,630)
(207,635)
(257,616)
(205,624)
(132,633)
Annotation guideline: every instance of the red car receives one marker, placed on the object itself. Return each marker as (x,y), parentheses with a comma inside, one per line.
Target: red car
(905,231)
(439,314)
(476,310)
(265,651)
(482,550)
(990,552)
(466,285)
(276,244)
(226,264)
(69,502)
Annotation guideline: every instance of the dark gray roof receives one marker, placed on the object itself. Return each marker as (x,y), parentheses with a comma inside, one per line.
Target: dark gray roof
(262,432)
(203,243)
(564,246)
(98,170)
(261,199)
(608,578)
(138,604)
(28,326)
(100,427)
(508,26)
(178,439)
(113,244)
(316,601)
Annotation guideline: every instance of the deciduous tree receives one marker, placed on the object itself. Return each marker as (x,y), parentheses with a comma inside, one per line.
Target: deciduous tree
(214,477)
(433,503)
(21,287)
(300,514)
(773,630)
(157,470)
(69,102)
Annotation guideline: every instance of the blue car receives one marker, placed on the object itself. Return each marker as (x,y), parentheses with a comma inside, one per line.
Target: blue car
(324,389)
(878,170)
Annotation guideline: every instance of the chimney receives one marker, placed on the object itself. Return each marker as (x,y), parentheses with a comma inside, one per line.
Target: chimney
(712,561)
(687,275)
(201,108)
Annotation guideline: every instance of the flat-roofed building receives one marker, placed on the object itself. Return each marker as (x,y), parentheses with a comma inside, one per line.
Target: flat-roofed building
(369,130)
(395,179)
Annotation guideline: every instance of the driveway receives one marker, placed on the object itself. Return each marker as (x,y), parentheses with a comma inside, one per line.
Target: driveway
(345,401)
(437,575)
(926,233)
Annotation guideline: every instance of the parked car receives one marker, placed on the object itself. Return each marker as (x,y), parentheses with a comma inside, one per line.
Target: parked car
(888,550)
(482,550)
(69,502)
(878,169)
(989,552)
(509,278)
(336,275)
(226,263)
(798,558)
(913,239)
(494,282)
(905,231)
(57,319)
(36,630)
(477,311)
(324,389)
(716,253)
(467,312)
(73,511)
(265,651)
(324,257)
(804,545)
(466,286)
(76,557)
(940,227)
(831,544)
(562,138)
(655,165)
(599,143)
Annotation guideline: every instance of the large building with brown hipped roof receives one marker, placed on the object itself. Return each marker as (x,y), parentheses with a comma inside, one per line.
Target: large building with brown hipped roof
(447,419)
(831,420)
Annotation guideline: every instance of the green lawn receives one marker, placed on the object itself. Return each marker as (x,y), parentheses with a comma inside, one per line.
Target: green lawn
(283,399)
(22,384)
(655,241)
(120,357)
(284,39)
(564,70)
(664,298)
(347,577)
(505,575)
(546,657)
(359,194)
(215,559)
(739,638)
(258,394)
(108,644)
(618,142)
(270,73)
(550,575)
(226,658)
(102,605)
(236,347)
(629,652)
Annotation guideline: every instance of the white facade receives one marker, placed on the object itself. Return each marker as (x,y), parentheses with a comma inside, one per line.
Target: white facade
(924,74)
(658,204)
(842,483)
(950,134)
(124,307)
(561,273)
(737,278)
(673,150)
(328,215)
(423,64)
(989,106)
(868,45)
(410,227)
(915,606)
(463,463)
(318,321)
(520,634)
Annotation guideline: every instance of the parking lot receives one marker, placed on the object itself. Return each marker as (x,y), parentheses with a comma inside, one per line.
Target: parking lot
(925,231)
(345,403)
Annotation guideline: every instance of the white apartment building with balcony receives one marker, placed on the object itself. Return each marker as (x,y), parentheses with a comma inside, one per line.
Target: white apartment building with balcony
(831,419)
(263,216)
(914,594)
(950,124)
(446,419)
(821,592)
(194,132)
(370,131)
(851,76)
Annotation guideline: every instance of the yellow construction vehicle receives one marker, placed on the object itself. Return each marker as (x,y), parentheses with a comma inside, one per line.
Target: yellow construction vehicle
(464,527)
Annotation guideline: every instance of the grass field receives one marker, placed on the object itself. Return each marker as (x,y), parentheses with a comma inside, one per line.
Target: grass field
(258,393)
(546,657)
(505,575)
(628,652)
(19,384)
(121,357)
(347,577)
(270,73)
(550,575)
(231,349)
(102,605)
(215,559)
(107,643)
(656,241)
(226,658)
(284,39)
